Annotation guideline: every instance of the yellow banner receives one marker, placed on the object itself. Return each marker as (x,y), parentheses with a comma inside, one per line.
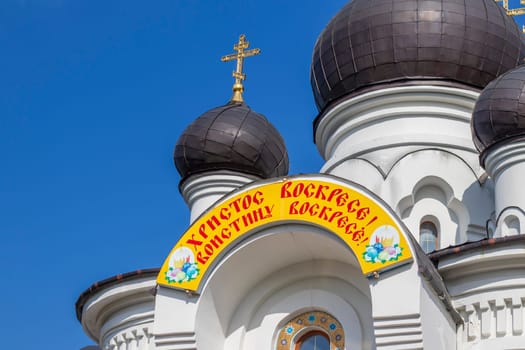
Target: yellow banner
(366,227)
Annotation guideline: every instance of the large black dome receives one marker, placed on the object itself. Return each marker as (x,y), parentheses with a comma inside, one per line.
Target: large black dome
(372,42)
(231,137)
(499,114)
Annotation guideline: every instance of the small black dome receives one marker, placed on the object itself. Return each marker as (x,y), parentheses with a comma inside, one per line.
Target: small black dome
(499,114)
(231,137)
(372,42)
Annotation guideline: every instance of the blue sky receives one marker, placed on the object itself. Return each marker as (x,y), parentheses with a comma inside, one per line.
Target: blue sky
(93,97)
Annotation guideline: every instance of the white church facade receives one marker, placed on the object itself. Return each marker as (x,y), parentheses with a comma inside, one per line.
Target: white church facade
(411,236)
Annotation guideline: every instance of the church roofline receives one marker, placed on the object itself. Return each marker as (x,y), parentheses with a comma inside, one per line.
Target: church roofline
(469,246)
(153,272)
(117,279)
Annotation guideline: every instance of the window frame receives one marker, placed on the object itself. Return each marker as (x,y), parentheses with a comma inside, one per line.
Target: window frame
(308,334)
(434,230)
(298,327)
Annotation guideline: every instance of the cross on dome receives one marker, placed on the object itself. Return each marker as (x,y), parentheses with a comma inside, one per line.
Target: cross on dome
(239,76)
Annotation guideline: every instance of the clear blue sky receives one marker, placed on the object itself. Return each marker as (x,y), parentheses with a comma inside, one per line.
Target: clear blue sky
(93,97)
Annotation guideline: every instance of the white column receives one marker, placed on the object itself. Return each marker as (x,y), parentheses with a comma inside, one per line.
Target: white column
(201,191)
(378,128)
(506,165)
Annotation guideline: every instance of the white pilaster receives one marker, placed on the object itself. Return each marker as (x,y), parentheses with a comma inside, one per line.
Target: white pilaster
(175,320)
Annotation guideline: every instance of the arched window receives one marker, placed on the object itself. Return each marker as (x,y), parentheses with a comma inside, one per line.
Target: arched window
(313,340)
(313,330)
(428,236)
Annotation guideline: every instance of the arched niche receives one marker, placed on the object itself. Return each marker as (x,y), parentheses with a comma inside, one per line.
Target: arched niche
(510,222)
(433,197)
(307,259)
(276,274)
(462,198)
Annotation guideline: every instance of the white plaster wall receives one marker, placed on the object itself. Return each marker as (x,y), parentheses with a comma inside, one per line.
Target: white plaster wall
(285,270)
(434,183)
(175,325)
(412,146)
(274,275)
(337,297)
(396,309)
(488,289)
(129,329)
(430,183)
(121,317)
(439,331)
(266,280)
(385,125)
(360,171)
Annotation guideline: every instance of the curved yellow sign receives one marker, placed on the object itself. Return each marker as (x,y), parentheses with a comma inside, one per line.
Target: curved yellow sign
(365,225)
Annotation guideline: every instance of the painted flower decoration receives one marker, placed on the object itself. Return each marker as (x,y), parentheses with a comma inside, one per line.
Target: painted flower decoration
(377,253)
(183,267)
(187,273)
(384,245)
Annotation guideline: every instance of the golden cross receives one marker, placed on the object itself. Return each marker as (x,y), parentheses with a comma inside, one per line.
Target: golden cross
(239,76)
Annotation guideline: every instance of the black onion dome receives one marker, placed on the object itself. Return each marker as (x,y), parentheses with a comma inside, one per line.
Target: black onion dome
(231,137)
(499,114)
(372,42)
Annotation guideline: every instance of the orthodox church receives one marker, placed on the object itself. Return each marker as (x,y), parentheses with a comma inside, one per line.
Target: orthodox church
(409,237)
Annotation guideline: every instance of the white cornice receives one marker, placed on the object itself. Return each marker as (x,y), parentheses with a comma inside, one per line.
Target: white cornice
(109,301)
(405,105)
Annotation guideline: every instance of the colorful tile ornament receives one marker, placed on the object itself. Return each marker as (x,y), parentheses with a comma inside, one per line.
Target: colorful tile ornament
(316,320)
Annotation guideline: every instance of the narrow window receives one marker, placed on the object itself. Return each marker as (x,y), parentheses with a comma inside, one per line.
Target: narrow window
(428,236)
(314,340)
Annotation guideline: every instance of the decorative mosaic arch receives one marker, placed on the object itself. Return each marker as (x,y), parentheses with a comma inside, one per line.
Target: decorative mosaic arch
(310,321)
